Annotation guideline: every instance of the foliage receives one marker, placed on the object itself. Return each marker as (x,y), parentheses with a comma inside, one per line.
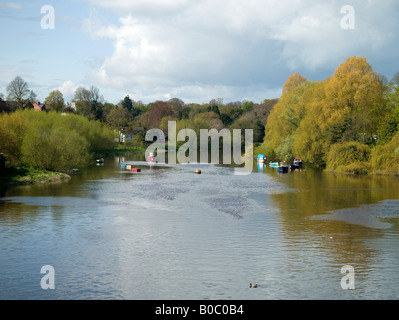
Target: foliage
(55,101)
(295,80)
(12,132)
(18,90)
(51,141)
(385,157)
(349,157)
(54,148)
(159,110)
(89,103)
(119,117)
(313,119)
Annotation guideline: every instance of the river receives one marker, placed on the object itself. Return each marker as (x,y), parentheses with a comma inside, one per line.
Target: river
(168,233)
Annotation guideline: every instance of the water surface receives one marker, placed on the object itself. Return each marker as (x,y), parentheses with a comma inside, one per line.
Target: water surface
(167,233)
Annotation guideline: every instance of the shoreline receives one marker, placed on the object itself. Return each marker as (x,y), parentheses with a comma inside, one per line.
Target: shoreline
(12,177)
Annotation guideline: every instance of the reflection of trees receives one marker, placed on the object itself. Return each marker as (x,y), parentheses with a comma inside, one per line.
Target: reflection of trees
(317,193)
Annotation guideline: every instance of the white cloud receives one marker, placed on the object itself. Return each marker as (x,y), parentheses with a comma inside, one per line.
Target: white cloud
(11,5)
(68,89)
(165,46)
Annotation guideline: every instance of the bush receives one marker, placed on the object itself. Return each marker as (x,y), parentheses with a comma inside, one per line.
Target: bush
(355,168)
(12,131)
(51,141)
(57,149)
(349,157)
(385,158)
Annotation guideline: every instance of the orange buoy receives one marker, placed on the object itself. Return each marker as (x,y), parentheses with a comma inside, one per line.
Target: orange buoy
(198,171)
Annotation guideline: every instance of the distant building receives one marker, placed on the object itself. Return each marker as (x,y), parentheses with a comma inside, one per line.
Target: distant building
(11,106)
(39,106)
(128,135)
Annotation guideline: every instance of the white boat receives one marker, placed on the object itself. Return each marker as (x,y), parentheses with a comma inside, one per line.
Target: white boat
(152,158)
(262,158)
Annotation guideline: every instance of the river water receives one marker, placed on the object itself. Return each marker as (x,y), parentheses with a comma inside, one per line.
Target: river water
(167,233)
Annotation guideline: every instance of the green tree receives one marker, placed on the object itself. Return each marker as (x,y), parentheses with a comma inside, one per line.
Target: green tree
(18,90)
(12,131)
(127,103)
(55,101)
(55,149)
(119,118)
(89,103)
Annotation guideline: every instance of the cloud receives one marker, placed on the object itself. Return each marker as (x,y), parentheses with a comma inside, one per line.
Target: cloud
(68,89)
(10,5)
(166,47)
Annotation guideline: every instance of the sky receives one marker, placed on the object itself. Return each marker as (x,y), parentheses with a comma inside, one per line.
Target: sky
(195,50)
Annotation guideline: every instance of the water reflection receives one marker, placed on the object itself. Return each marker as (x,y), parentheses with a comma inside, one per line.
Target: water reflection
(168,233)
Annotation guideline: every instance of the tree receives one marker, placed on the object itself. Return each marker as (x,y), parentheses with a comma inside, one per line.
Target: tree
(18,90)
(177,105)
(127,103)
(54,148)
(119,118)
(247,105)
(55,101)
(159,110)
(12,130)
(82,100)
(355,90)
(32,96)
(89,102)
(295,80)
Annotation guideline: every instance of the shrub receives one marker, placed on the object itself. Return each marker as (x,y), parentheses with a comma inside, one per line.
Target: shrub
(57,149)
(51,141)
(349,157)
(385,158)
(12,131)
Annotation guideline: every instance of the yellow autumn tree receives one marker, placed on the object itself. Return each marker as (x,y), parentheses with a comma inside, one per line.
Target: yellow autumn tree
(355,100)
(294,81)
(285,118)
(311,117)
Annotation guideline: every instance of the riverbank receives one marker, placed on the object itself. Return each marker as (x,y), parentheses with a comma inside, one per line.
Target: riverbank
(119,151)
(12,176)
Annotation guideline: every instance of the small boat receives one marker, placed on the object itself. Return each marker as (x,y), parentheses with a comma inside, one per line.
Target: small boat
(100,160)
(298,163)
(273,165)
(152,158)
(283,169)
(262,158)
(295,167)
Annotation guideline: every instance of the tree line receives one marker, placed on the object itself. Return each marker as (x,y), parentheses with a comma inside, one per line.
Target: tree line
(346,123)
(130,115)
(51,141)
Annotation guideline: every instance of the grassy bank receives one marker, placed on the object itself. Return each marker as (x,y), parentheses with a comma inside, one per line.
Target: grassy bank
(26,176)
